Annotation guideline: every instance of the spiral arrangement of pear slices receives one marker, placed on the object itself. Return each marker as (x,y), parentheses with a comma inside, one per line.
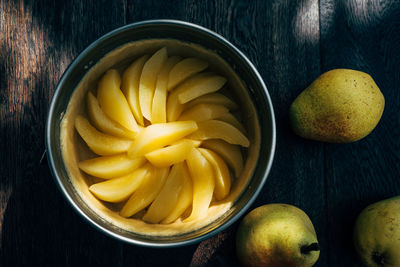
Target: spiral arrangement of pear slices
(164,137)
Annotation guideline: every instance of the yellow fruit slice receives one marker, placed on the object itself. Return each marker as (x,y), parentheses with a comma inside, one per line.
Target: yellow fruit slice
(185,69)
(104,123)
(174,108)
(168,196)
(203,180)
(113,102)
(159,106)
(110,166)
(130,86)
(231,119)
(148,81)
(185,197)
(231,154)
(221,173)
(167,156)
(196,143)
(213,98)
(146,193)
(203,112)
(204,85)
(214,129)
(119,189)
(100,143)
(159,135)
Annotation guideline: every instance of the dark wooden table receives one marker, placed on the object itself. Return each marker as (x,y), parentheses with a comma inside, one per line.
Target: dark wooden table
(291,42)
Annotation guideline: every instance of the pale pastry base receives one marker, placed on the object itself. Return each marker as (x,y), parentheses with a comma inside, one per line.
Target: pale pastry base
(75,150)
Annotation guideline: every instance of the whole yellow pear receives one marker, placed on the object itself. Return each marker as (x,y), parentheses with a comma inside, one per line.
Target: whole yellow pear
(340,106)
(277,235)
(377,234)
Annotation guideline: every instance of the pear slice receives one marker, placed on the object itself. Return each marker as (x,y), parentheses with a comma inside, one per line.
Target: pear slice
(113,102)
(130,87)
(119,189)
(212,98)
(204,85)
(203,112)
(148,81)
(185,197)
(167,156)
(146,193)
(196,143)
(100,143)
(221,173)
(203,180)
(110,166)
(159,135)
(185,69)
(174,107)
(231,154)
(159,109)
(104,123)
(168,196)
(214,129)
(231,119)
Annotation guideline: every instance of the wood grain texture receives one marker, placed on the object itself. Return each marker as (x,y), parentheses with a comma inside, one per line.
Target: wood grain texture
(282,39)
(362,35)
(134,255)
(290,42)
(39,39)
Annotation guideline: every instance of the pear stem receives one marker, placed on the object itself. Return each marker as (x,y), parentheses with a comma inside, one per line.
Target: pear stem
(308,248)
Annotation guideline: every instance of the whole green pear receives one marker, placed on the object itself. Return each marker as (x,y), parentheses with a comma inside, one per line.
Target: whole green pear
(340,106)
(377,234)
(277,235)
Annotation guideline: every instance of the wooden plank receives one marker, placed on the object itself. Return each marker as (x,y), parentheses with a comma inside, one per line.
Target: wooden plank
(282,39)
(362,35)
(134,255)
(38,40)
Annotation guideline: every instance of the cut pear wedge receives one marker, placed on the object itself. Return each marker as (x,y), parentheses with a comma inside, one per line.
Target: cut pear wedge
(110,166)
(148,81)
(221,173)
(159,106)
(203,180)
(185,69)
(215,129)
(146,193)
(174,107)
(130,87)
(113,102)
(167,199)
(231,119)
(167,156)
(196,143)
(104,123)
(185,197)
(119,189)
(100,143)
(159,135)
(200,85)
(203,112)
(212,98)
(231,154)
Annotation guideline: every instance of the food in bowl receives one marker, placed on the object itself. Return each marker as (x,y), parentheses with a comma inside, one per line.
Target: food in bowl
(147,139)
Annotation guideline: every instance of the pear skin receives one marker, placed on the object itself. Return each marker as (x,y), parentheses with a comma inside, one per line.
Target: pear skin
(340,106)
(277,235)
(377,234)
